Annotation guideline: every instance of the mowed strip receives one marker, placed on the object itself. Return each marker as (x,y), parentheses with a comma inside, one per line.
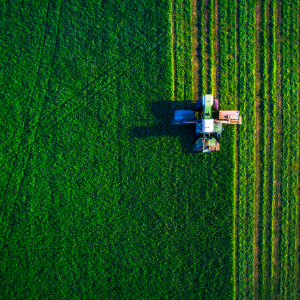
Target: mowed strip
(182,50)
(297,244)
(246,146)
(251,124)
(277,122)
(233,103)
(266,200)
(242,148)
(258,148)
(286,144)
(276,199)
(294,151)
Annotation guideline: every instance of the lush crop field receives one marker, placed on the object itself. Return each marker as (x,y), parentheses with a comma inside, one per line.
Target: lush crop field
(101,198)
(252,63)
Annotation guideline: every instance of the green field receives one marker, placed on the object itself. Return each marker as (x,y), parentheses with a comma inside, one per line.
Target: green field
(101,198)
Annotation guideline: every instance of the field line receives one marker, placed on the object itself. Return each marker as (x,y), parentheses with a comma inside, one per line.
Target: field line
(174,41)
(229,84)
(211,51)
(187,23)
(216,49)
(294,163)
(31,98)
(286,149)
(205,47)
(266,199)
(258,150)
(243,159)
(196,45)
(251,123)
(297,245)
(275,158)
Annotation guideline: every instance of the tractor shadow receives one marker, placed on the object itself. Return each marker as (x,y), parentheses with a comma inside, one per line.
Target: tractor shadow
(163,111)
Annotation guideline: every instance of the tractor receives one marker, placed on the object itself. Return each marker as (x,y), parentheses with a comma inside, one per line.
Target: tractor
(209,127)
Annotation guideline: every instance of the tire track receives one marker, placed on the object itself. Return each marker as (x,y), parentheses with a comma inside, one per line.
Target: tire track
(28,156)
(88,93)
(127,55)
(31,98)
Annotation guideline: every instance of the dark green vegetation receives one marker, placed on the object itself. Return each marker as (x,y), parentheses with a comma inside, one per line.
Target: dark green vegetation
(267,208)
(100,195)
(182,50)
(258,74)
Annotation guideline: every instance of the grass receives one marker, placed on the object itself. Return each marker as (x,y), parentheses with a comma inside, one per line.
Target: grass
(100,194)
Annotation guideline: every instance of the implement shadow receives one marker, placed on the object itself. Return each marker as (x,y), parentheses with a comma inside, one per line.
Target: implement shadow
(163,112)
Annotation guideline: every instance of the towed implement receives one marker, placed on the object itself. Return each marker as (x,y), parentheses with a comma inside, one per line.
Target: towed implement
(210,126)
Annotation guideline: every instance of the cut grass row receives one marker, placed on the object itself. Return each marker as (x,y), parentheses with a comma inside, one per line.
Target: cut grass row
(266,207)
(296,139)
(184,68)
(286,143)
(211,45)
(243,155)
(274,50)
(232,102)
(228,96)
(279,248)
(251,123)
(224,51)
(258,149)
(294,144)
(202,38)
